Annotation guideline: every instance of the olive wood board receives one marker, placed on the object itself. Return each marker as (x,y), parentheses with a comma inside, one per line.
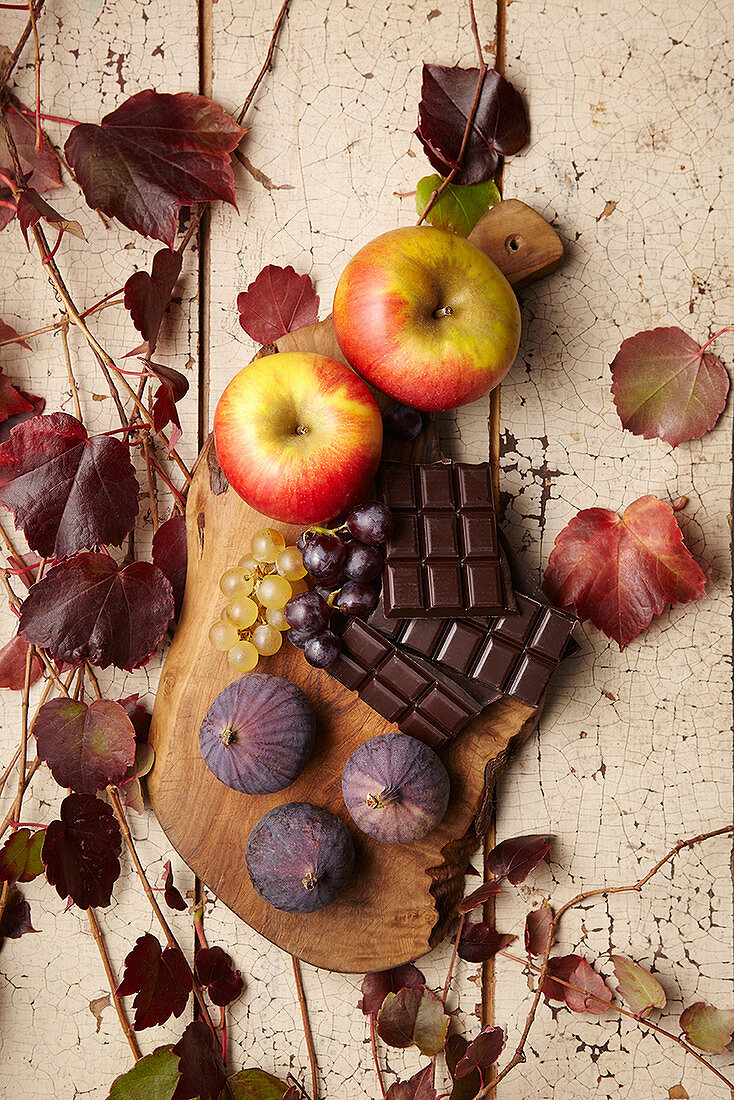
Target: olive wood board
(403,897)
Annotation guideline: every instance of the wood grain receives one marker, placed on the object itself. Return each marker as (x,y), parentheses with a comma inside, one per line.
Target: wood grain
(403,897)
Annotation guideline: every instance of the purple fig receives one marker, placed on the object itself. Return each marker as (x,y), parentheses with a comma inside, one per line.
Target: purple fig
(258,734)
(396,788)
(299,857)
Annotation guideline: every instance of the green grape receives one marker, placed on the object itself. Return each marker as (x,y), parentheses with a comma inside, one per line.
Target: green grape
(266,639)
(289,564)
(242,611)
(243,656)
(274,591)
(248,563)
(276,617)
(266,544)
(223,635)
(236,582)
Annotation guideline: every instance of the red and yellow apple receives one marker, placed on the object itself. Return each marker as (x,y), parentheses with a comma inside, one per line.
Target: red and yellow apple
(426,317)
(299,436)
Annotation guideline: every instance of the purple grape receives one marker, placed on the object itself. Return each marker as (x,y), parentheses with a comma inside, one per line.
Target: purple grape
(370,522)
(323,557)
(356,598)
(303,539)
(307,613)
(402,421)
(323,649)
(363,562)
(297,638)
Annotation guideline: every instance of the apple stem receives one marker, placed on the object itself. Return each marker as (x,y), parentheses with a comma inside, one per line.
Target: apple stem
(443,311)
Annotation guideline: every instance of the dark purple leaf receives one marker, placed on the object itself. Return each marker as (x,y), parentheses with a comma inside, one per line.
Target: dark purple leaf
(32,208)
(37,405)
(481,941)
(482,1052)
(139,715)
(160,980)
(68,491)
(41,170)
(171,893)
(376,986)
(537,930)
(12,664)
(16,918)
(419,1087)
(464,1088)
(88,609)
(215,970)
(500,125)
(479,896)
(81,849)
(170,554)
(147,296)
(173,387)
(277,302)
(413,1016)
(20,856)
(518,856)
(153,155)
(561,967)
(202,1068)
(87,747)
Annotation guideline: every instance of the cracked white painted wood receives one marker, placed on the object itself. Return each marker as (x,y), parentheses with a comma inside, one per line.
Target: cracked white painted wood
(631,132)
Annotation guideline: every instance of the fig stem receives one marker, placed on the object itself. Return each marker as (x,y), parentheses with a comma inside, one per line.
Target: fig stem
(389,796)
(309,880)
(228,736)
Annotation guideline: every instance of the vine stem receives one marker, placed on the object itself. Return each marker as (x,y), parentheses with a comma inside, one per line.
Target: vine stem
(447,983)
(113,983)
(13,59)
(170,938)
(37,63)
(96,308)
(376,1060)
(266,64)
(469,122)
(306,1028)
(70,370)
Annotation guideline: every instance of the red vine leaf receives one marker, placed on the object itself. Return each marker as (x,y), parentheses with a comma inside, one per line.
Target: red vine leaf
(464,1088)
(88,609)
(215,970)
(16,919)
(619,573)
(153,155)
(482,1052)
(171,893)
(479,896)
(140,717)
(9,333)
(154,1077)
(20,856)
(12,401)
(589,985)
(36,407)
(538,925)
(203,1075)
(41,170)
(12,664)
(419,1087)
(481,941)
(518,856)
(173,386)
(560,967)
(707,1027)
(170,554)
(32,208)
(637,986)
(500,125)
(413,1016)
(147,296)
(376,986)
(666,386)
(87,747)
(81,849)
(160,980)
(278,301)
(67,490)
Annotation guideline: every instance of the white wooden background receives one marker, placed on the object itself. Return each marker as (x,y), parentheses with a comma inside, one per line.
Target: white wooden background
(631,113)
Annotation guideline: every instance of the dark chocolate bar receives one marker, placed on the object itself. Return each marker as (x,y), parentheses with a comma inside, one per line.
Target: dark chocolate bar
(512,655)
(421,699)
(443,558)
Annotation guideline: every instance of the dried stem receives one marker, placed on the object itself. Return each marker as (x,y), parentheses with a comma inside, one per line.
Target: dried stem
(15,55)
(70,370)
(37,62)
(469,122)
(375,1059)
(452,961)
(112,982)
(266,66)
(306,1028)
(151,482)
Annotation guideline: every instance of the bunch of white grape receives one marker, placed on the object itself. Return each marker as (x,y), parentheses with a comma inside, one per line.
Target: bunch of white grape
(258,588)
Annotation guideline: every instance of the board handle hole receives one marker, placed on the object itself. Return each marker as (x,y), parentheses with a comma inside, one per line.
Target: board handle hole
(513,244)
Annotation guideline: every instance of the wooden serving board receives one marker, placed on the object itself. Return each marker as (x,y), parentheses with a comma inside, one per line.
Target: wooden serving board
(403,898)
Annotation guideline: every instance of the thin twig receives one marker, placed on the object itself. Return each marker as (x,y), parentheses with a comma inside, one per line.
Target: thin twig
(37,62)
(452,961)
(151,482)
(15,55)
(70,370)
(375,1059)
(266,65)
(306,1029)
(112,982)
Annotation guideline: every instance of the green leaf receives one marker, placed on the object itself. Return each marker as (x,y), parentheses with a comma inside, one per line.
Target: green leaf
(413,1016)
(254,1084)
(20,856)
(637,986)
(152,1078)
(707,1027)
(459,208)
